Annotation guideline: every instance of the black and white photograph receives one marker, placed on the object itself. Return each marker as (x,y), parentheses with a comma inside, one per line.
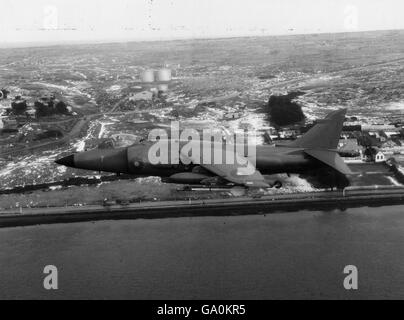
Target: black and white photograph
(201,150)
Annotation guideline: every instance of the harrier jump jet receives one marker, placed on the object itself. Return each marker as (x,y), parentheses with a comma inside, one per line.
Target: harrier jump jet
(315,150)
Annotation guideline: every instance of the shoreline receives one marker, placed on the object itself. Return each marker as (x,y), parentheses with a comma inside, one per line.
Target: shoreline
(330,200)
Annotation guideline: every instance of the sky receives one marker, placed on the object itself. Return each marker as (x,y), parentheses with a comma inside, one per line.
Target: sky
(57,21)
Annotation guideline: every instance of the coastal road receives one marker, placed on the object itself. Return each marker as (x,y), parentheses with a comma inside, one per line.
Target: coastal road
(329,200)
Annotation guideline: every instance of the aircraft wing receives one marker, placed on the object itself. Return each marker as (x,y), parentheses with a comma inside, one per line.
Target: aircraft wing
(242,172)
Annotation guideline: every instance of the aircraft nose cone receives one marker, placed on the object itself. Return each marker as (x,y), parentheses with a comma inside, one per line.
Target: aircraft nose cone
(66,161)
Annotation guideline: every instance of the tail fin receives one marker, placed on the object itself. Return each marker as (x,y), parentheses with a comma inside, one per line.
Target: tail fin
(325,134)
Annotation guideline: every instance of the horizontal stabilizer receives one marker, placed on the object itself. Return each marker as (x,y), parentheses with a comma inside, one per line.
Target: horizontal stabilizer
(331,159)
(325,134)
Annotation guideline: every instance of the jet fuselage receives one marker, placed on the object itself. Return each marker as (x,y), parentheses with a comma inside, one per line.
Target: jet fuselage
(203,161)
(135,160)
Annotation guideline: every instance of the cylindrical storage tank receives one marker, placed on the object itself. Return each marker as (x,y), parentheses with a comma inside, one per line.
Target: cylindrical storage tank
(164,74)
(148,76)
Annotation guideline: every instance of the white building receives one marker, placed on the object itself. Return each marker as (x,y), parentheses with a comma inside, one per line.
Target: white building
(379,127)
(380,157)
(144,95)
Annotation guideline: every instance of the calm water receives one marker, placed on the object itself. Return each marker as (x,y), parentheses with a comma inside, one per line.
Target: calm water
(291,255)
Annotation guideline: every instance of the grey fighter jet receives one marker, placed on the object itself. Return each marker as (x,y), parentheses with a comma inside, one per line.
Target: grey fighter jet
(315,150)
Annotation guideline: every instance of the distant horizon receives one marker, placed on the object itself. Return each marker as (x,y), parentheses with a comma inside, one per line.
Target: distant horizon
(62,22)
(22,45)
